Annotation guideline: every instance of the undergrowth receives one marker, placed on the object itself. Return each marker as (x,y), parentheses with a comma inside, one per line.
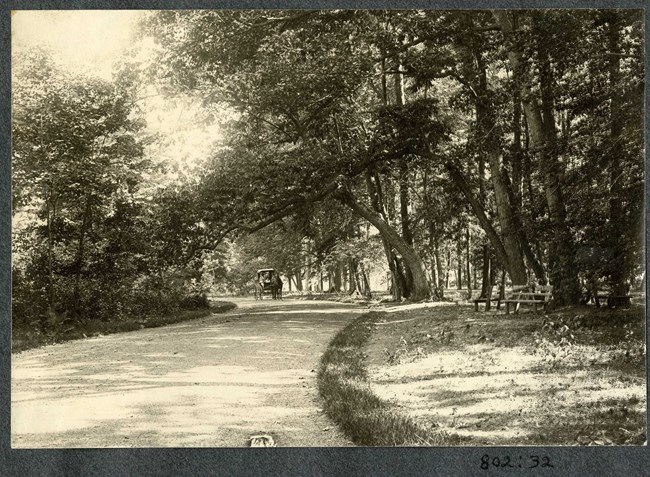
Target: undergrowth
(24,339)
(349,401)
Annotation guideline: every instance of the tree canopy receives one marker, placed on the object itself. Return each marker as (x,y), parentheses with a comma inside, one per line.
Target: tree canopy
(428,142)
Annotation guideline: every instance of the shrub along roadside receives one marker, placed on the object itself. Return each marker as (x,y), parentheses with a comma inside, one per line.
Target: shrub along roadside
(350,402)
(24,338)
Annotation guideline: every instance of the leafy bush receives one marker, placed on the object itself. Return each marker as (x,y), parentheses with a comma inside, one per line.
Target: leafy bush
(106,298)
(193,302)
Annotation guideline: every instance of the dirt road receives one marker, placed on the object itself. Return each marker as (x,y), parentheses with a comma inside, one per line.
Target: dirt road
(211,382)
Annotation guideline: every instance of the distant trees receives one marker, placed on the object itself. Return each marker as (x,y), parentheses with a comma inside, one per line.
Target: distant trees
(458,145)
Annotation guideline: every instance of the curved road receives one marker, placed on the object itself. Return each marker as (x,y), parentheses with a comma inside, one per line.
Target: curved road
(210,382)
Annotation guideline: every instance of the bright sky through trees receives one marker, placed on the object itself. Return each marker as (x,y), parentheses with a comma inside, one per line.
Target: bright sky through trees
(81,39)
(92,42)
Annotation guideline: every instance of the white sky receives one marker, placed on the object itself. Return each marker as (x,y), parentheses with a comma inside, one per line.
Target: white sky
(81,39)
(90,41)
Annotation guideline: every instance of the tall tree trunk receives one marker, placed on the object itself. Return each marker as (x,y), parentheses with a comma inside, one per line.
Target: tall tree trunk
(532,260)
(397,280)
(403,184)
(517,154)
(373,186)
(486,265)
(404,202)
(409,255)
(486,124)
(459,265)
(543,135)
(434,271)
(448,268)
(563,264)
(337,278)
(384,83)
(502,286)
(534,216)
(617,270)
(436,252)
(468,263)
(79,260)
(511,243)
(474,280)
(307,258)
(436,266)
(485,269)
(376,198)
(298,277)
(351,281)
(364,277)
(400,279)
(516,189)
(486,284)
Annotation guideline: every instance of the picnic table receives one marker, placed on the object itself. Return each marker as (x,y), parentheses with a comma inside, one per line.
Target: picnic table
(525,295)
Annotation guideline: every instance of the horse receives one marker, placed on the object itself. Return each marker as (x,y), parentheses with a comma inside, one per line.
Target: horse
(277,287)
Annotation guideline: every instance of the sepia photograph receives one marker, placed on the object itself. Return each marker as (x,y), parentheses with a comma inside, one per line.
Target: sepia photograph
(329,228)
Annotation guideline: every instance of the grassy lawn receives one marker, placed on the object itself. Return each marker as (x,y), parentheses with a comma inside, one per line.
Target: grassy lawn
(350,402)
(24,339)
(572,377)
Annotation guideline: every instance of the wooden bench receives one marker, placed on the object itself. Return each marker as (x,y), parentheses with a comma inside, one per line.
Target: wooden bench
(523,294)
(613,301)
(488,302)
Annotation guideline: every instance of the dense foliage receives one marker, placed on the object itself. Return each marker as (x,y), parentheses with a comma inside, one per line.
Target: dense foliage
(431,147)
(494,140)
(88,240)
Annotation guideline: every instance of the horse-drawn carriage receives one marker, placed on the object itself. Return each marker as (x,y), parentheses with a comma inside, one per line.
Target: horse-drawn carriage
(268,282)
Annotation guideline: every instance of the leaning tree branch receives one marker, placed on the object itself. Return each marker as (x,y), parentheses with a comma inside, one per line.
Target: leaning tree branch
(291,206)
(460,181)
(288,210)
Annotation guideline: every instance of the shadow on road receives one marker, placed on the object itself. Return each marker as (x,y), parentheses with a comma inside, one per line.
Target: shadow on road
(206,382)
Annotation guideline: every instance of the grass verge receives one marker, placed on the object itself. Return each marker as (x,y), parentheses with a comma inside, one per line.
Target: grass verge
(24,339)
(576,376)
(349,401)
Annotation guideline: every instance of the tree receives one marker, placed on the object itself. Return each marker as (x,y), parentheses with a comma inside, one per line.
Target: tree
(367,108)
(77,155)
(541,122)
(314,138)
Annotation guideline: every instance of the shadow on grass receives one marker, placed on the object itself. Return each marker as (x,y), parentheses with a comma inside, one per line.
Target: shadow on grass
(349,401)
(572,377)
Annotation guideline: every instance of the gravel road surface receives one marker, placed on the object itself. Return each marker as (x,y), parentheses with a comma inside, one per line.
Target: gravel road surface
(210,382)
